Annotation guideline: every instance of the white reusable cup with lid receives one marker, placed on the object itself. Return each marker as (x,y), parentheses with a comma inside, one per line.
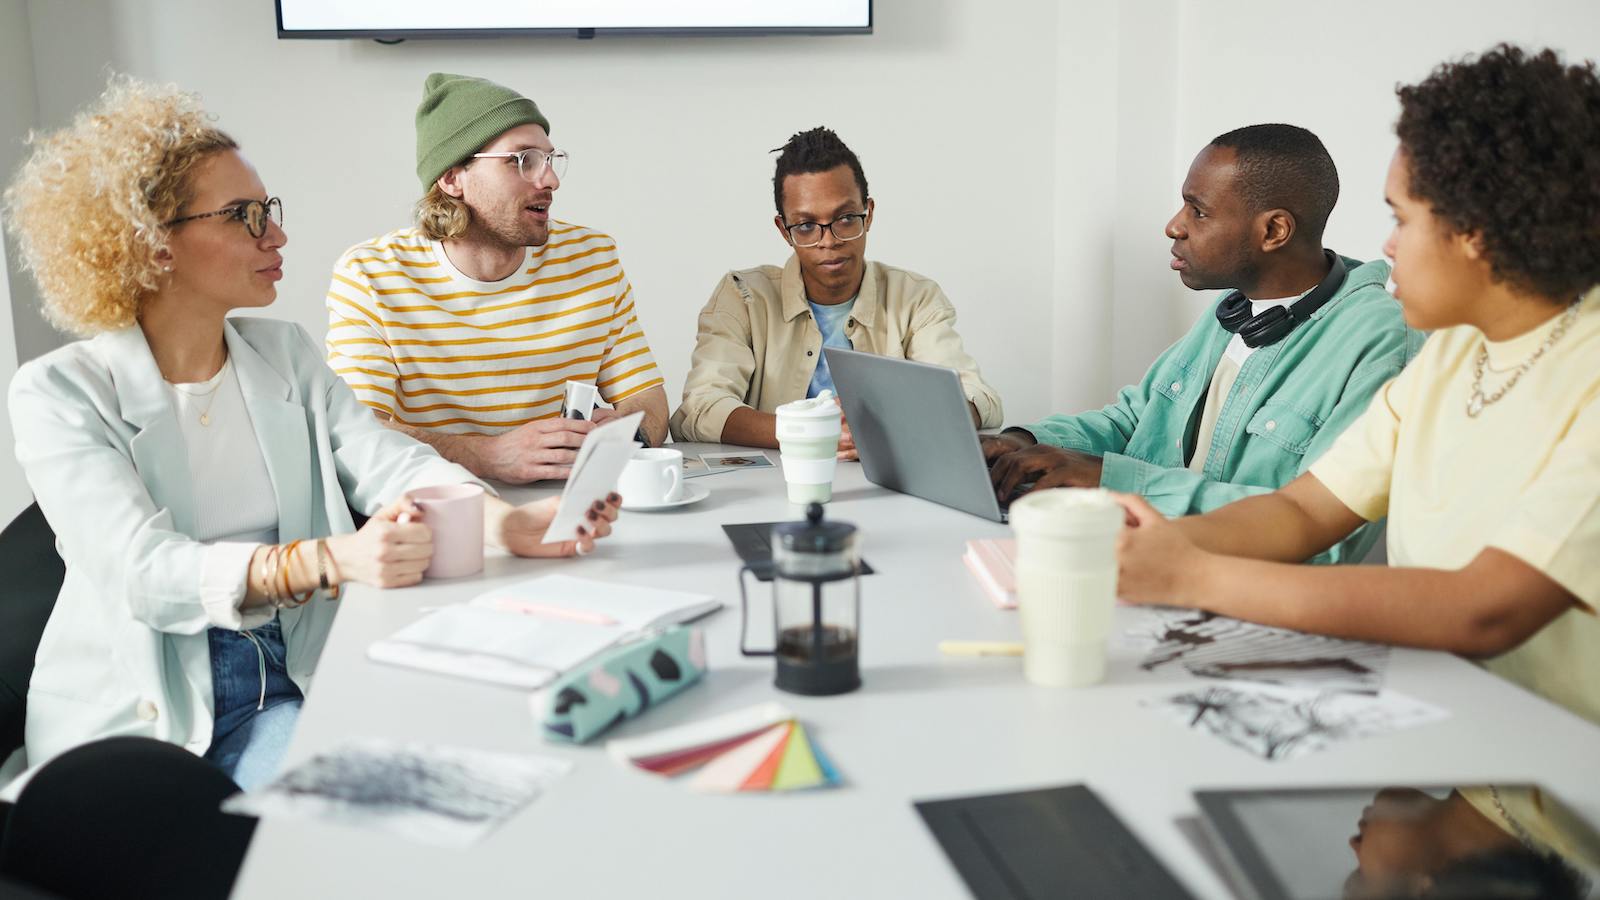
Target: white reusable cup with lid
(1066,582)
(808,442)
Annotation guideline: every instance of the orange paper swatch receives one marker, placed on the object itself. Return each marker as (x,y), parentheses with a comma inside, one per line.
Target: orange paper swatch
(761,778)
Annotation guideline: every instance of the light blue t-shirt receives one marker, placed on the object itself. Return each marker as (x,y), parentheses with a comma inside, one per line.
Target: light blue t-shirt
(830,321)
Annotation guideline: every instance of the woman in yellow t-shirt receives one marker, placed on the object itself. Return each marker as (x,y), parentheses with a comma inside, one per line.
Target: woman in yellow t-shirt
(1485,452)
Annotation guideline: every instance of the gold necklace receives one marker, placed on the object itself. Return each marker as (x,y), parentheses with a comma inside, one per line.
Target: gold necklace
(205,414)
(1518,831)
(1477,401)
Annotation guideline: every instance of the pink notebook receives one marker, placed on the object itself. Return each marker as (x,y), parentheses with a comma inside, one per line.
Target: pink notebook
(994,563)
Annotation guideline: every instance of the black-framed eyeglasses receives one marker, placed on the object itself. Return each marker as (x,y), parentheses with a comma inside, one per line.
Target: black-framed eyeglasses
(531,162)
(847,227)
(253,213)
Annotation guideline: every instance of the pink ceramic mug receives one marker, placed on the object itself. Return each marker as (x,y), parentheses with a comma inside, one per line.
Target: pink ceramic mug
(454,513)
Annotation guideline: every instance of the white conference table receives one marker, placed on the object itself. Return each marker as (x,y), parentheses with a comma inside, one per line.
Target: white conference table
(921,726)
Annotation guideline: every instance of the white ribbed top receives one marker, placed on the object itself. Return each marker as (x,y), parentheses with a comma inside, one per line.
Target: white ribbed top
(235,507)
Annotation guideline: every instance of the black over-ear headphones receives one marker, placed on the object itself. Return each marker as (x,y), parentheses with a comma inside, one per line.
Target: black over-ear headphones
(1273,325)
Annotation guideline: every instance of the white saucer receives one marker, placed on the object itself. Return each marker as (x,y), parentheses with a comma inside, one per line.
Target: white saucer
(692,493)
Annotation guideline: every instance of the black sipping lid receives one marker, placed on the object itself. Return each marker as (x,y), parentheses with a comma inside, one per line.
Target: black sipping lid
(814,535)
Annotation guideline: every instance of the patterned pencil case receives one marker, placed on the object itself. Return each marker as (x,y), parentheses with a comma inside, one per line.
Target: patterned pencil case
(623,683)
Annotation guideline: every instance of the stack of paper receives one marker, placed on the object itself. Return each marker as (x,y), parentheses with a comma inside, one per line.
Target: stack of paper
(994,563)
(1289,694)
(762,748)
(525,634)
(426,792)
(1213,646)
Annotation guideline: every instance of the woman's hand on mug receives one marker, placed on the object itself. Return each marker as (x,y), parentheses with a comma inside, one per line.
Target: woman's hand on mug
(391,550)
(520,529)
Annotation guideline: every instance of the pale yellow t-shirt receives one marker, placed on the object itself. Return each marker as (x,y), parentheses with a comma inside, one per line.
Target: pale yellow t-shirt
(1532,816)
(1523,477)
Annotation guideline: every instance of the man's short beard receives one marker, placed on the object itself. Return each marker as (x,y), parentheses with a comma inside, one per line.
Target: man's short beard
(532,236)
(512,235)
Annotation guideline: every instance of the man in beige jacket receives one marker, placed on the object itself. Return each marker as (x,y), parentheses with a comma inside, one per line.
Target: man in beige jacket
(761,336)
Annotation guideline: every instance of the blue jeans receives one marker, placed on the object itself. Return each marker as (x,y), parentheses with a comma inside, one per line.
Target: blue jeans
(254,701)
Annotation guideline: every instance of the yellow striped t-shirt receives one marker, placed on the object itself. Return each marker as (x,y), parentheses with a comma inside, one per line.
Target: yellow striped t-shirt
(431,347)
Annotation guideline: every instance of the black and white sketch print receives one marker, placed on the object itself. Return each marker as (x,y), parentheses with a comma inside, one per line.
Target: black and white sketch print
(1278,724)
(437,795)
(1212,646)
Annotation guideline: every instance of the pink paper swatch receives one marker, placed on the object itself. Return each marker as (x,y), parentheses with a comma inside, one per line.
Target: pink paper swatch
(730,770)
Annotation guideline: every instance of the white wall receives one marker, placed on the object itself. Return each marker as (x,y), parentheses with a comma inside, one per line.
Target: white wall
(948,104)
(17,111)
(1334,69)
(1115,177)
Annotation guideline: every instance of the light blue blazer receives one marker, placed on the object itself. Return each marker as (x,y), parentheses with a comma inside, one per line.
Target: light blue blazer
(125,651)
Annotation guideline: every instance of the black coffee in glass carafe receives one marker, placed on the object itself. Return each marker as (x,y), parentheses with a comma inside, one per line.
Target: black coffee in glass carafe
(816,606)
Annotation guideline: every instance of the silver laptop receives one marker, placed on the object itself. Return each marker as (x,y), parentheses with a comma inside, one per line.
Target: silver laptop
(913,429)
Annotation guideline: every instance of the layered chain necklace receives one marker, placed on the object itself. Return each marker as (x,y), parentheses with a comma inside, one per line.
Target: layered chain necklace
(205,414)
(1479,400)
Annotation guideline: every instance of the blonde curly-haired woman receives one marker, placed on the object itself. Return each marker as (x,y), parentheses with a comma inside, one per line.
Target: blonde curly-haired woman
(198,470)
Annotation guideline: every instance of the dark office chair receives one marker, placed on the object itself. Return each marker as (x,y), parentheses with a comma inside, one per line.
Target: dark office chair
(126,817)
(16,890)
(34,573)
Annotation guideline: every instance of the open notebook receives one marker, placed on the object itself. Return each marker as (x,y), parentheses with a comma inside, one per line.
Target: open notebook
(525,634)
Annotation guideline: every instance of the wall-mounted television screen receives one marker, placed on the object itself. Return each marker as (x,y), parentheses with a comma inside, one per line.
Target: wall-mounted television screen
(400,19)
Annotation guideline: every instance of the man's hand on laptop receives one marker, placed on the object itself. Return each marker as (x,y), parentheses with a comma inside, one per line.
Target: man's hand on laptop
(1045,467)
(847,444)
(541,450)
(998,445)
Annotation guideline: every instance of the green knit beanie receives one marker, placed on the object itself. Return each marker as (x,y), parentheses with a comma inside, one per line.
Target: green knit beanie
(459,114)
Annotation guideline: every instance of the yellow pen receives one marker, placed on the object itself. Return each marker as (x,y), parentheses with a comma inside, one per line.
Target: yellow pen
(980,648)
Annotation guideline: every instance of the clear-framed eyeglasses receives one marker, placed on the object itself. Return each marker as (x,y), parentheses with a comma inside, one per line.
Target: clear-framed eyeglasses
(254,214)
(532,161)
(848,227)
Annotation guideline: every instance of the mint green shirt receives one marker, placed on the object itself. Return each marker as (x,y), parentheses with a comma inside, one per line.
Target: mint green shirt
(1289,402)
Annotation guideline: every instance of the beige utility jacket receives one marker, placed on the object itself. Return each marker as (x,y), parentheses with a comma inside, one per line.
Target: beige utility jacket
(758,345)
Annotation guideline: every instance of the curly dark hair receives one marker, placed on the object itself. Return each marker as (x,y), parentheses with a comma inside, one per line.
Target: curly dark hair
(817,150)
(1514,872)
(1506,145)
(1285,167)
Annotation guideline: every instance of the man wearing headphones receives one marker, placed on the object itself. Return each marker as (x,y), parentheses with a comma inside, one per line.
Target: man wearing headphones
(1265,381)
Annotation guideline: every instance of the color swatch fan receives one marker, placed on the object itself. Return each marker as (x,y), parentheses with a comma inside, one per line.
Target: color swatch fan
(762,748)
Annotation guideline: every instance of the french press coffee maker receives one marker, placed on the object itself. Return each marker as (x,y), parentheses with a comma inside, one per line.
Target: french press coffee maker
(816,606)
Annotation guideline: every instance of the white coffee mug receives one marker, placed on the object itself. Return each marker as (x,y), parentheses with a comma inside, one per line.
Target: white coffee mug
(653,476)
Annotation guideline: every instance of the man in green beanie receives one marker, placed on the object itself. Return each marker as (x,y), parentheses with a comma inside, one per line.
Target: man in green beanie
(463,329)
